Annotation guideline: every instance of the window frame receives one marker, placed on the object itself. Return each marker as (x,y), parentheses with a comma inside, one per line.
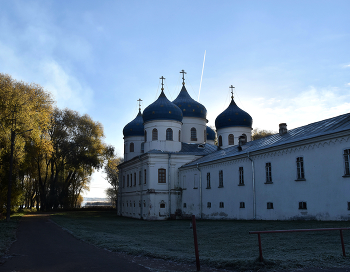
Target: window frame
(208,204)
(154,134)
(221,179)
(221,205)
(302,205)
(169,134)
(162,175)
(132,147)
(300,168)
(208,181)
(268,173)
(269,205)
(346,158)
(231,139)
(193,134)
(241,176)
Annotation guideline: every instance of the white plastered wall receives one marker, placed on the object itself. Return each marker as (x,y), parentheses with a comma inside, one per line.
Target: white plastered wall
(236,131)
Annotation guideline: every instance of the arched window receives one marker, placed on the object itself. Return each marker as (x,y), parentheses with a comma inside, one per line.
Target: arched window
(231,139)
(131,147)
(169,134)
(124,148)
(205,135)
(145,136)
(193,134)
(154,134)
(220,140)
(179,135)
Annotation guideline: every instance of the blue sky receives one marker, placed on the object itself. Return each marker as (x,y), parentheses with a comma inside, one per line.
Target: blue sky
(289,60)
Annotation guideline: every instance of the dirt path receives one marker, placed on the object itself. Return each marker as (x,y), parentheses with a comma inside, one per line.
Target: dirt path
(43,246)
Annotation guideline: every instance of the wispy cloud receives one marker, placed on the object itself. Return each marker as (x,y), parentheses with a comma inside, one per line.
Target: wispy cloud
(68,91)
(306,107)
(346,66)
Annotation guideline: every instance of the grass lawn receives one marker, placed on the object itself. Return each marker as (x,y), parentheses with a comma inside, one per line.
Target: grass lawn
(221,243)
(8,232)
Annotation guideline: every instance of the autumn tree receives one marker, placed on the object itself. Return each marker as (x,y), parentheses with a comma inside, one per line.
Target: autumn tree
(112,176)
(23,107)
(261,133)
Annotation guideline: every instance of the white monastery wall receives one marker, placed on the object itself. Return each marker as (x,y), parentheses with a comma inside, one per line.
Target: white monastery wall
(322,190)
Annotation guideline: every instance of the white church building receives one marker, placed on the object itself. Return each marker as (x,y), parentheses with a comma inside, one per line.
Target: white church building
(172,169)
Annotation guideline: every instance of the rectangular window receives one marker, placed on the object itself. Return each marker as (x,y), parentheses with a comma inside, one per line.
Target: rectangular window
(144,178)
(269,205)
(300,168)
(162,205)
(346,162)
(144,203)
(302,206)
(161,175)
(209,205)
(208,181)
(195,181)
(241,176)
(135,179)
(348,205)
(221,204)
(184,205)
(123,181)
(242,205)
(127,181)
(221,179)
(268,172)
(140,177)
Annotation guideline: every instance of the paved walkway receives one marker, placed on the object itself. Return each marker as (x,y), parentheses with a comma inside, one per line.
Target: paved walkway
(43,246)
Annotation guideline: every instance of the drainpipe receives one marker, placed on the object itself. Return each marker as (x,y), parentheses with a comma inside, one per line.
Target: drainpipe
(141,190)
(169,185)
(200,192)
(254,194)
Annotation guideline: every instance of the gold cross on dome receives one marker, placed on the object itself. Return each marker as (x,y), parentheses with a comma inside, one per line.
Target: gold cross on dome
(231,87)
(139,103)
(162,78)
(183,76)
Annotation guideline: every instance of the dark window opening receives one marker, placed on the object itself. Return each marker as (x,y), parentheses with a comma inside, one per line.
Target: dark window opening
(302,206)
(300,168)
(154,134)
(242,205)
(193,134)
(169,134)
(241,176)
(268,172)
(221,179)
(231,139)
(161,175)
(269,205)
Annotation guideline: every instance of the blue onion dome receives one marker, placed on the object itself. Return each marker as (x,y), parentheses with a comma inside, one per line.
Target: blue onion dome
(233,116)
(189,107)
(210,134)
(162,109)
(135,127)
